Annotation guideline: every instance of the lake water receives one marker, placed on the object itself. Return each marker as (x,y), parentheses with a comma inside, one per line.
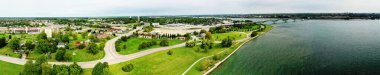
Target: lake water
(312,47)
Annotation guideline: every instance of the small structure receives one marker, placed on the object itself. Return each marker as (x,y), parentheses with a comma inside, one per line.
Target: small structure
(155,24)
(61,45)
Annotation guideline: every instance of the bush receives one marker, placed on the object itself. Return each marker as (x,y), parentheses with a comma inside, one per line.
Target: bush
(164,42)
(3,42)
(227,42)
(147,44)
(216,57)
(253,34)
(205,64)
(92,48)
(81,46)
(67,57)
(59,56)
(170,52)
(190,44)
(127,68)
(124,38)
(100,69)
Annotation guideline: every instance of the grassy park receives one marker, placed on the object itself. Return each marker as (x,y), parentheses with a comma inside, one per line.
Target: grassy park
(133,43)
(161,63)
(233,35)
(9,68)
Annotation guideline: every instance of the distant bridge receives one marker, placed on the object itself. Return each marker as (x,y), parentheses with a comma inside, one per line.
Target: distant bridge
(282,20)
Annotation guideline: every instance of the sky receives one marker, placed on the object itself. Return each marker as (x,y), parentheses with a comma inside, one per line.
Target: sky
(96,8)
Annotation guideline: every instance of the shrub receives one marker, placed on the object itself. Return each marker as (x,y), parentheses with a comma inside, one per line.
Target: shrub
(164,42)
(3,42)
(81,46)
(92,48)
(127,68)
(100,69)
(124,38)
(253,34)
(205,64)
(67,57)
(190,44)
(59,56)
(216,57)
(170,52)
(227,42)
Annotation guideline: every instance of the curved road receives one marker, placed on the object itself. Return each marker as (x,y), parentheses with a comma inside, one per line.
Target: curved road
(111,56)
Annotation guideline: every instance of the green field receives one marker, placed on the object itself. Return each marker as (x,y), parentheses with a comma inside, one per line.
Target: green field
(162,64)
(233,35)
(133,43)
(9,68)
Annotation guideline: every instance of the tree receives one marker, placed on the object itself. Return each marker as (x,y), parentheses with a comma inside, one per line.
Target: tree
(92,48)
(253,34)
(14,43)
(127,68)
(28,68)
(75,69)
(29,45)
(100,69)
(164,42)
(60,55)
(46,68)
(42,35)
(227,42)
(208,35)
(67,57)
(65,38)
(43,46)
(3,42)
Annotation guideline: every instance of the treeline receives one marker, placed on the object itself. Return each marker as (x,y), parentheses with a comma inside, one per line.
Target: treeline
(237,26)
(41,67)
(163,36)
(14,23)
(145,45)
(185,20)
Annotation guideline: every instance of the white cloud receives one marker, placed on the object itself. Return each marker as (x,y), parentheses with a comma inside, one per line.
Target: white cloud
(26,8)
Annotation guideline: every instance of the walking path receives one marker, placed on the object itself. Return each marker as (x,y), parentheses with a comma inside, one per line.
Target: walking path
(111,56)
(245,40)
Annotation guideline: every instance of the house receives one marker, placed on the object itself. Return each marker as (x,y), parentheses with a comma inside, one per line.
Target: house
(61,45)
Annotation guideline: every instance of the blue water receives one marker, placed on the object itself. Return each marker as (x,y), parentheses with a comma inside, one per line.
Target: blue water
(312,47)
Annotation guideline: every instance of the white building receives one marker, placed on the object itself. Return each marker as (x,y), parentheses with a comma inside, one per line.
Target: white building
(156,24)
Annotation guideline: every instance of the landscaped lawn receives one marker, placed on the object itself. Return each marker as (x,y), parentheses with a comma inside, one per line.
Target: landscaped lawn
(133,43)
(9,68)
(81,55)
(161,63)
(233,35)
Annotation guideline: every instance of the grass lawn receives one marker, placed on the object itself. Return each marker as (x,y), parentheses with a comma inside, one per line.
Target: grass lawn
(162,64)
(9,68)
(133,43)
(82,55)
(8,51)
(233,35)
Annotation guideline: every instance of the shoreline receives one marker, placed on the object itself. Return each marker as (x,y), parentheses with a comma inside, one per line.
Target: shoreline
(216,65)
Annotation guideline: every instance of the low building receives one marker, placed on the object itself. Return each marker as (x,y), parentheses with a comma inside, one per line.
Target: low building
(156,24)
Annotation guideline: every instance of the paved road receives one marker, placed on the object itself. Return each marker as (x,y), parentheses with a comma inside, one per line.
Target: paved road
(111,56)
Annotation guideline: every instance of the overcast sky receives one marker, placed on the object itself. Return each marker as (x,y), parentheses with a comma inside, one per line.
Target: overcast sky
(79,8)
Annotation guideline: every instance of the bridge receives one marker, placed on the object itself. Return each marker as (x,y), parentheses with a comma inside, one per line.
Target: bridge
(282,20)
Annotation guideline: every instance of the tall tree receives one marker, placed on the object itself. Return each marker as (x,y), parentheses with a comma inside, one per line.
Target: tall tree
(42,35)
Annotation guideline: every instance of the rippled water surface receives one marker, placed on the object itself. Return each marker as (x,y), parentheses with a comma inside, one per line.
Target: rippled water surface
(313,47)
